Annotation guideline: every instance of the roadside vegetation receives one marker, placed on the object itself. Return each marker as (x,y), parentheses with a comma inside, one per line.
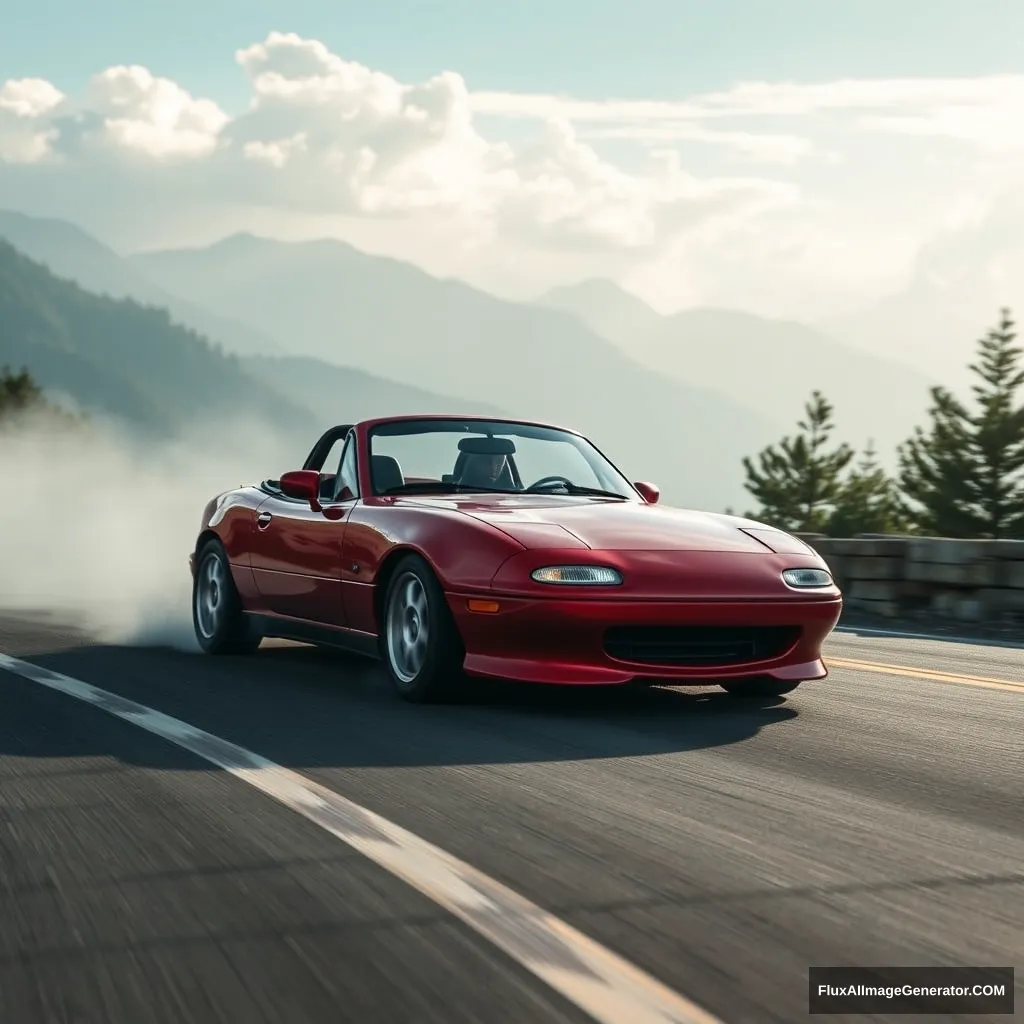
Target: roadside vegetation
(959,475)
(21,398)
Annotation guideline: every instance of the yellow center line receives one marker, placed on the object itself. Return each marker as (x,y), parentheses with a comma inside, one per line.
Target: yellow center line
(928,673)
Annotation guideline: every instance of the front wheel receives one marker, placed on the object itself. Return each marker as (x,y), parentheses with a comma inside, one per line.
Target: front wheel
(764,687)
(421,644)
(217,617)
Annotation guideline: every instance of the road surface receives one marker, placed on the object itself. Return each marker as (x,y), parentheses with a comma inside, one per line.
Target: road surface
(713,847)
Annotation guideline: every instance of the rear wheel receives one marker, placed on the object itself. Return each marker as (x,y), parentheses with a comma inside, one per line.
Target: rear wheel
(420,642)
(761,687)
(220,625)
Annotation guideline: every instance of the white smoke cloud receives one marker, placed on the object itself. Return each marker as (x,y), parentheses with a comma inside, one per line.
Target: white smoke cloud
(103,524)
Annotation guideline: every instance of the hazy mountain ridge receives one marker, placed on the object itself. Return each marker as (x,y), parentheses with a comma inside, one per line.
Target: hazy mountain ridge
(333,302)
(952,295)
(613,312)
(929,323)
(769,365)
(678,399)
(131,363)
(124,360)
(343,394)
(75,255)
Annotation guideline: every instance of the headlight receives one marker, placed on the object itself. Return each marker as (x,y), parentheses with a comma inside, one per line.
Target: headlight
(807,578)
(577,574)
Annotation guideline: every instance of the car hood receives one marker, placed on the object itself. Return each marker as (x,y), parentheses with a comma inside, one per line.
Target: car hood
(550,521)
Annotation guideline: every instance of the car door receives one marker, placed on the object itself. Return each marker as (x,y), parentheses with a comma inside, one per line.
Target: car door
(297,551)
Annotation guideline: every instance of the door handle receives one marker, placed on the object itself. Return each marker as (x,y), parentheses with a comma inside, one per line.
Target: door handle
(263,520)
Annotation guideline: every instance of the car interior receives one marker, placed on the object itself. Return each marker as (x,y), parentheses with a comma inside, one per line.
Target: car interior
(475,466)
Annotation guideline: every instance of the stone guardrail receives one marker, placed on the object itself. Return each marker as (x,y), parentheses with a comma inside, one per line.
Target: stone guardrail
(927,577)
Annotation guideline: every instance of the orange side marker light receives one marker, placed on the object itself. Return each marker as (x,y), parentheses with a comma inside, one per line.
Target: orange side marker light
(482,606)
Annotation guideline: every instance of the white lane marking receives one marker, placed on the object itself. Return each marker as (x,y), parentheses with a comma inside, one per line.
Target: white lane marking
(903,635)
(607,987)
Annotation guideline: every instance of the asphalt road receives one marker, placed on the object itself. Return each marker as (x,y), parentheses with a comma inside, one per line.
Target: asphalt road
(718,846)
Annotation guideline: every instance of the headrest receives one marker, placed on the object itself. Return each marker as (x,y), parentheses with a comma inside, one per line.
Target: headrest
(386,472)
(487,446)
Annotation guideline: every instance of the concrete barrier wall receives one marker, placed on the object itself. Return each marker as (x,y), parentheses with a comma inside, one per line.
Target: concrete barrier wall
(928,577)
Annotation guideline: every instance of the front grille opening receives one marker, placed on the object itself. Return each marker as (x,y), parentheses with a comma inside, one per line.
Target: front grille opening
(699,645)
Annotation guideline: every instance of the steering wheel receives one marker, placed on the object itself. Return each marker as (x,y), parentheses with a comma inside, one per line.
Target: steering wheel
(554,479)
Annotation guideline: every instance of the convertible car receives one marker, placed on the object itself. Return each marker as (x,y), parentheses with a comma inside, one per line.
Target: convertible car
(461,548)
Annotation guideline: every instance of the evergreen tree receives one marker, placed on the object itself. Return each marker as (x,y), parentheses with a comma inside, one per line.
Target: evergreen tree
(868,502)
(964,477)
(18,392)
(798,482)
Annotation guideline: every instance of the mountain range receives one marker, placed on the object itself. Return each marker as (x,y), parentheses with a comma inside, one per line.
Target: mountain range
(768,365)
(71,253)
(336,334)
(118,357)
(332,302)
(134,364)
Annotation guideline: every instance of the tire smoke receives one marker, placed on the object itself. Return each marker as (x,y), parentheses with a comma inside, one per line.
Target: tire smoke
(97,525)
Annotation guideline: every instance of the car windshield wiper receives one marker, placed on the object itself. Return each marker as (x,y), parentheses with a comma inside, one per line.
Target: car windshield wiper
(569,488)
(439,487)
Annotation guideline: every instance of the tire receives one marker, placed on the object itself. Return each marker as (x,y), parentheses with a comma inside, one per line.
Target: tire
(420,643)
(761,687)
(220,625)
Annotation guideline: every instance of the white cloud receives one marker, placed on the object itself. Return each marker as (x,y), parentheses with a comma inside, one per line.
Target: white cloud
(986,110)
(793,99)
(776,196)
(357,139)
(24,104)
(647,121)
(152,117)
(29,97)
(322,133)
(754,147)
(565,194)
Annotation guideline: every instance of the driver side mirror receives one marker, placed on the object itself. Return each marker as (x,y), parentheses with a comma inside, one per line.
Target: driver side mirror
(304,484)
(649,492)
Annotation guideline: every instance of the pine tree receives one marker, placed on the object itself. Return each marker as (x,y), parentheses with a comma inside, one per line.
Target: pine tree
(868,502)
(798,482)
(18,391)
(20,394)
(964,477)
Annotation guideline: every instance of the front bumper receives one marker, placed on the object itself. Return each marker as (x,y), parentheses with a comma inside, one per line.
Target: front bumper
(560,641)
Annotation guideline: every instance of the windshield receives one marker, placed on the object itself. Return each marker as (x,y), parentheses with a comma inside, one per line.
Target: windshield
(475,456)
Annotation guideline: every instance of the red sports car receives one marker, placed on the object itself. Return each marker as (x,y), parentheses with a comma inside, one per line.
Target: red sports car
(456,548)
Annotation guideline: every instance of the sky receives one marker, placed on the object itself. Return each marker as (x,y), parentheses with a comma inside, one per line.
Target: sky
(640,49)
(802,158)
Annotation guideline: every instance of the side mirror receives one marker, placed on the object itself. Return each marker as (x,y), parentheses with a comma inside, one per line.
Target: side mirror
(648,492)
(304,484)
